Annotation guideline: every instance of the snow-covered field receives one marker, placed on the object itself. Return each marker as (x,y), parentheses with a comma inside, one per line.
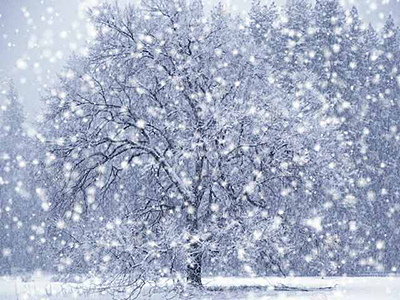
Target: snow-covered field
(350,288)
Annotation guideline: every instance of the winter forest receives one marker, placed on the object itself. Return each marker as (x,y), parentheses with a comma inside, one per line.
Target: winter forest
(188,147)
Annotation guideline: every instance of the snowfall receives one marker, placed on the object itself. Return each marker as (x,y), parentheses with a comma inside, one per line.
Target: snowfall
(331,288)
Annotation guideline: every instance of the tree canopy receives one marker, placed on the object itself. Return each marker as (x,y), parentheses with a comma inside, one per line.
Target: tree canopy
(181,140)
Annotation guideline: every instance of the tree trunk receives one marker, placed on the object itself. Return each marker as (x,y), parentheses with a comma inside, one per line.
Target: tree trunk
(194,264)
(194,250)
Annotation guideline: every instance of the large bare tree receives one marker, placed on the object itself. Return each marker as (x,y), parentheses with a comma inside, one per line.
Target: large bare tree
(172,136)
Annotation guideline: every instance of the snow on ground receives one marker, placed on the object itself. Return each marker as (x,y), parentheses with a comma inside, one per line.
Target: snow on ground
(350,288)
(346,288)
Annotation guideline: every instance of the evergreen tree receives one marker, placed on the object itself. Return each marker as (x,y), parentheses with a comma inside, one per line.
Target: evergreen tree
(17,202)
(328,47)
(298,28)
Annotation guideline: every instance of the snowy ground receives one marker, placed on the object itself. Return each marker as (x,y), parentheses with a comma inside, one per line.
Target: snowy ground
(351,288)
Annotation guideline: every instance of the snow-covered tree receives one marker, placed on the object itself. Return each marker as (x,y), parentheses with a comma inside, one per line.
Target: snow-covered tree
(174,147)
(17,204)
(380,146)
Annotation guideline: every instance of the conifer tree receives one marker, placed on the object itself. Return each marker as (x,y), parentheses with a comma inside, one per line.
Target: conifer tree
(17,202)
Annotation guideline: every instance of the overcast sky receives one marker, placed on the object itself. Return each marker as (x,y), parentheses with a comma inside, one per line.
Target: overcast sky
(37,36)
